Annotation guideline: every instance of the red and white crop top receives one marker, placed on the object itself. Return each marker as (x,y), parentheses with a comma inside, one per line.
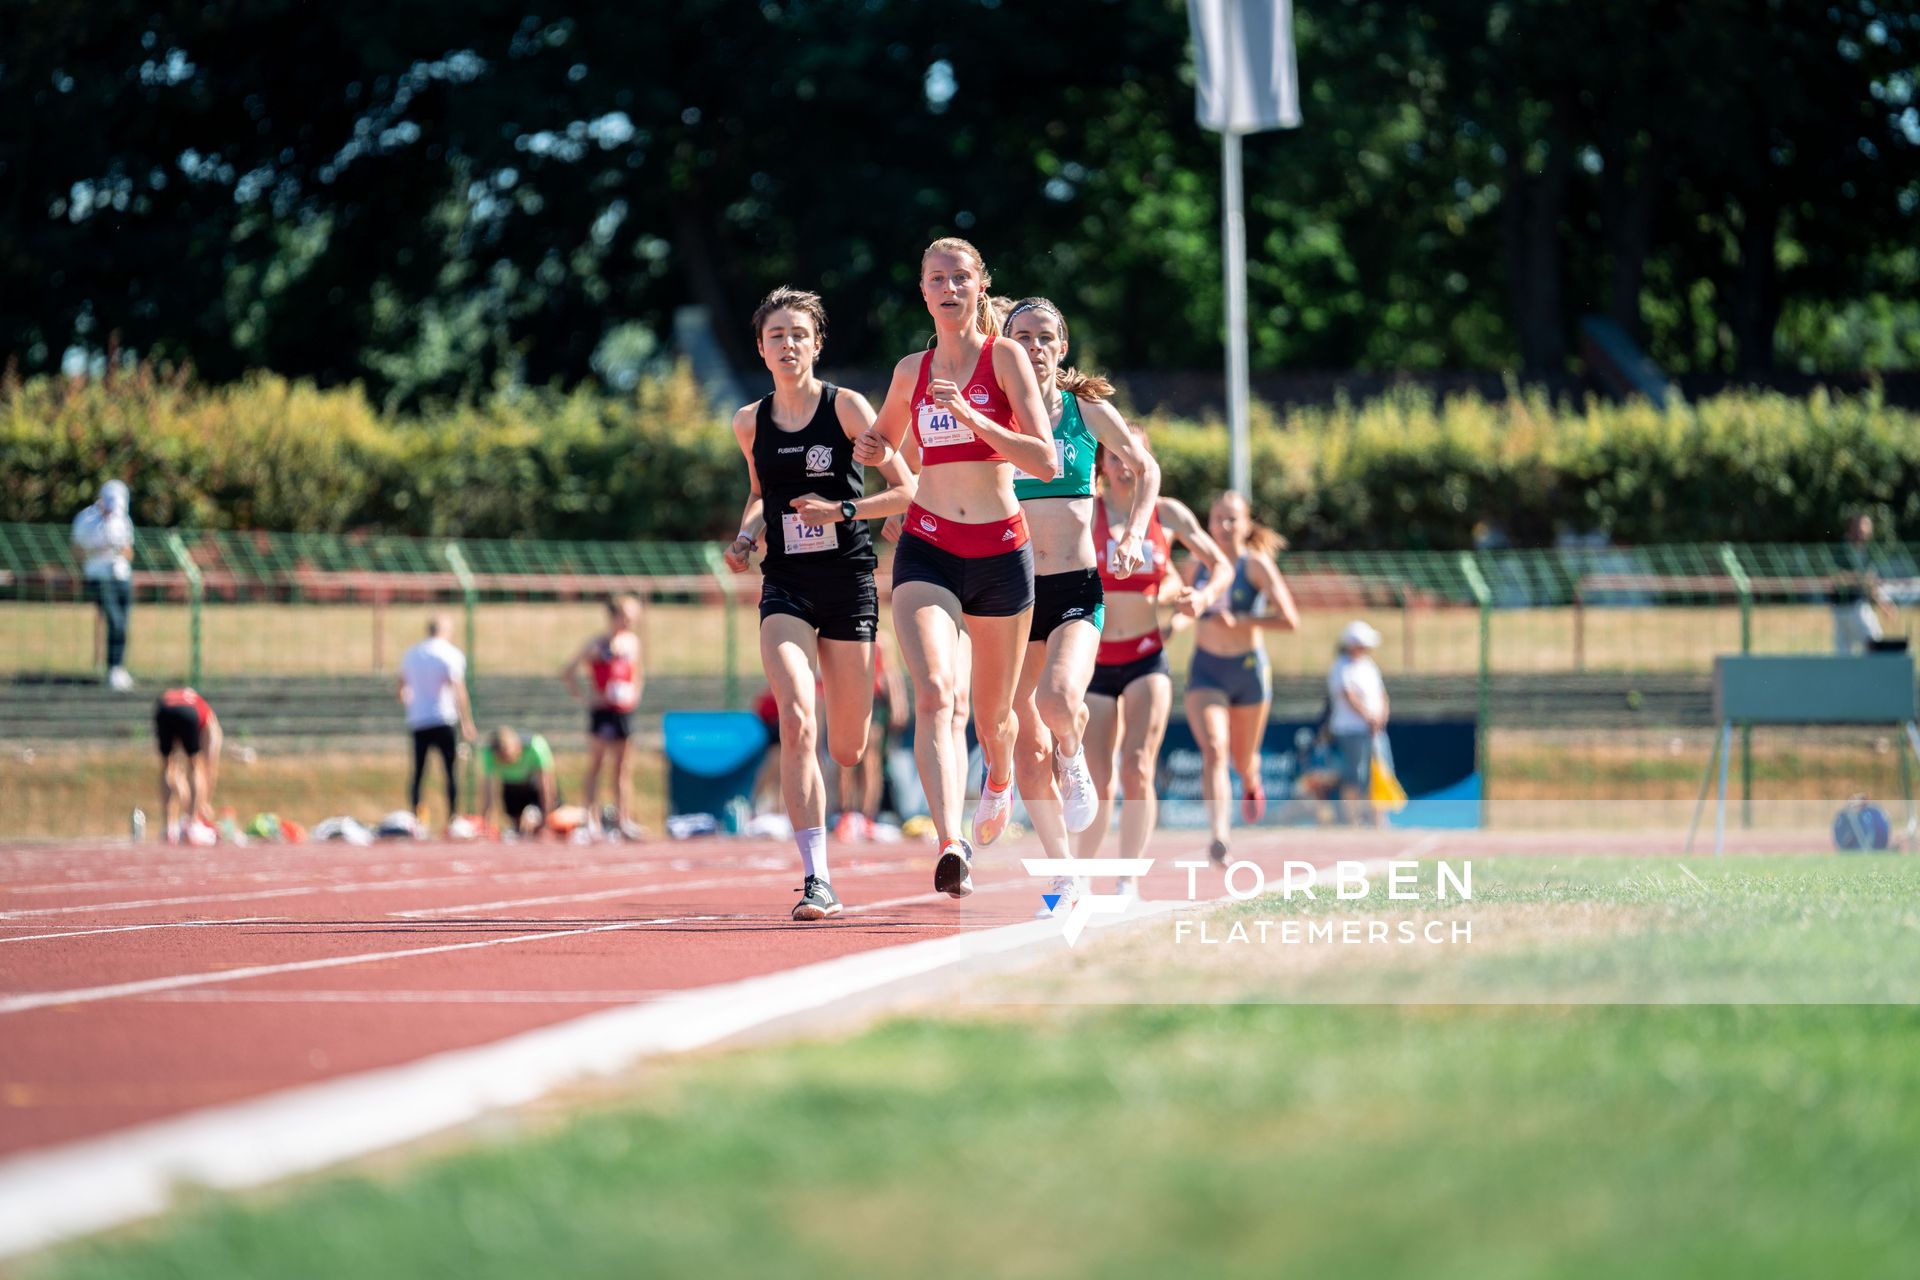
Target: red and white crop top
(942,436)
(1156,553)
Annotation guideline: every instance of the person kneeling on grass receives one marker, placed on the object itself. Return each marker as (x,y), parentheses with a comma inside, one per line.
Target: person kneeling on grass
(188,735)
(529,788)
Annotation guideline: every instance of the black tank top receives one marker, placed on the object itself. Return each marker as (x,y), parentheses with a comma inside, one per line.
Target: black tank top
(818,458)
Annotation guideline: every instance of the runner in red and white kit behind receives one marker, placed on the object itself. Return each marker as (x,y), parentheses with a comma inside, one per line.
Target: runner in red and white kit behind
(188,734)
(613,662)
(1131,693)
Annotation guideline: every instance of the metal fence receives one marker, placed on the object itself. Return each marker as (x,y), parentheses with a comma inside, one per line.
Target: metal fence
(1609,645)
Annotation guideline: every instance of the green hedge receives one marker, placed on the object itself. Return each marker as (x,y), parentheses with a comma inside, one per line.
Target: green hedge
(1401,471)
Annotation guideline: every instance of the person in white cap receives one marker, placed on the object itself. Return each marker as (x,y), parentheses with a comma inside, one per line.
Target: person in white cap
(1359,698)
(103,543)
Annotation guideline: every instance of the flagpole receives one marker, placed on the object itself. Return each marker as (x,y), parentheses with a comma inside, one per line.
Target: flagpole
(1234,232)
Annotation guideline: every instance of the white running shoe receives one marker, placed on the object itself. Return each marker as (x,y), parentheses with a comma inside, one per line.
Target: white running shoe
(1128,887)
(953,873)
(990,817)
(1078,803)
(120,680)
(1063,891)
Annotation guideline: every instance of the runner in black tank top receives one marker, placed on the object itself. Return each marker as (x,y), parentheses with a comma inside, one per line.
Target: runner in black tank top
(818,605)
(816,460)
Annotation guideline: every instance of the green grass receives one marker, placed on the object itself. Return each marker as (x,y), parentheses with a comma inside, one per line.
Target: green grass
(1147,1140)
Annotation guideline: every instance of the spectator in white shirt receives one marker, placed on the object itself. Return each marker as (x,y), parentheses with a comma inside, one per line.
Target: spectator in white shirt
(1359,716)
(103,543)
(433,689)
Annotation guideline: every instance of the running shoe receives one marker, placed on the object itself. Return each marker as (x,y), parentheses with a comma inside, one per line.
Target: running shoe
(816,900)
(1078,803)
(631,830)
(1217,851)
(847,829)
(990,817)
(953,874)
(1253,804)
(1128,887)
(1063,891)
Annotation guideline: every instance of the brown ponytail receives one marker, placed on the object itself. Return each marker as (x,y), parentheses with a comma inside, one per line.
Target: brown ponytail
(1260,539)
(1087,386)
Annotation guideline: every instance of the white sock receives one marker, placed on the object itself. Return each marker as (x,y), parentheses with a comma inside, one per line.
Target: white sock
(813,850)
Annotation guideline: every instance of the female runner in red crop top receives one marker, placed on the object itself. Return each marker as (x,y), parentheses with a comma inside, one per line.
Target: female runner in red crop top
(1132,692)
(963,560)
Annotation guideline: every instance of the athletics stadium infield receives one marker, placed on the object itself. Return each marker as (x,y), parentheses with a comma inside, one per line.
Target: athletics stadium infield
(164,1008)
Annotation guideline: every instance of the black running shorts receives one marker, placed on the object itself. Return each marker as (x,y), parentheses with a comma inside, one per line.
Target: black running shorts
(1112,681)
(986,586)
(841,603)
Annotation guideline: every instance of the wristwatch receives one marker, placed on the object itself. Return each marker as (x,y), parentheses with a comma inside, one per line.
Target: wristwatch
(847,509)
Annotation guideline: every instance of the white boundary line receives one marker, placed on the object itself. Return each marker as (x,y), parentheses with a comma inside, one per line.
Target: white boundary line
(136,928)
(30,1000)
(101,1182)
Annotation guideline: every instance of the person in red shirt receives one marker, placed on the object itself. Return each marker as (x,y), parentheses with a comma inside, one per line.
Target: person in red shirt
(188,735)
(1131,694)
(613,663)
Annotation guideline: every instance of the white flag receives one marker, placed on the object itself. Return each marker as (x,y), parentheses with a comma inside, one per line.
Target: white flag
(1243,56)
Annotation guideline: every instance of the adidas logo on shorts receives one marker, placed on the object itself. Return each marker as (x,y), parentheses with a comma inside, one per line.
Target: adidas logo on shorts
(1007,536)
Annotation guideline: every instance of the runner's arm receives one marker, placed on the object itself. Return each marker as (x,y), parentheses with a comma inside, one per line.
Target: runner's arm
(1180,522)
(1111,430)
(881,439)
(753,516)
(1029,445)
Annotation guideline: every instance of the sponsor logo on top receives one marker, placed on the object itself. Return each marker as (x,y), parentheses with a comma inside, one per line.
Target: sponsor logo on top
(819,460)
(929,524)
(977,394)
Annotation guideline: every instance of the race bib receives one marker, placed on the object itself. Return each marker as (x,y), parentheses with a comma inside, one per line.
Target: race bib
(801,538)
(939,429)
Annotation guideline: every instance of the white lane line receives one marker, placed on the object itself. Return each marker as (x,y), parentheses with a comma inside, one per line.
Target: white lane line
(361,886)
(88,1186)
(118,990)
(462,873)
(135,928)
(217,996)
(605,895)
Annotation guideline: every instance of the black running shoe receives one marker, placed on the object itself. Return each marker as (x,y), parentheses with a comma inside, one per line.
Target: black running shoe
(953,874)
(816,901)
(1218,852)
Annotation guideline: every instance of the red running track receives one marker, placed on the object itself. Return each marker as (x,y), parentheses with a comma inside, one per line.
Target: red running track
(140,982)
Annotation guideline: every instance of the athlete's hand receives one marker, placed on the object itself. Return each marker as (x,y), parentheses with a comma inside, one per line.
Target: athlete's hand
(1186,602)
(816,510)
(871,448)
(891,529)
(739,553)
(944,393)
(1126,557)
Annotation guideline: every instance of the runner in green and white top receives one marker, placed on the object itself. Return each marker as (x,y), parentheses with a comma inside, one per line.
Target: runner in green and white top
(1050,699)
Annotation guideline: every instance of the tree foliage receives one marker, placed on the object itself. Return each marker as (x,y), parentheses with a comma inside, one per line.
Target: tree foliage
(435,198)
